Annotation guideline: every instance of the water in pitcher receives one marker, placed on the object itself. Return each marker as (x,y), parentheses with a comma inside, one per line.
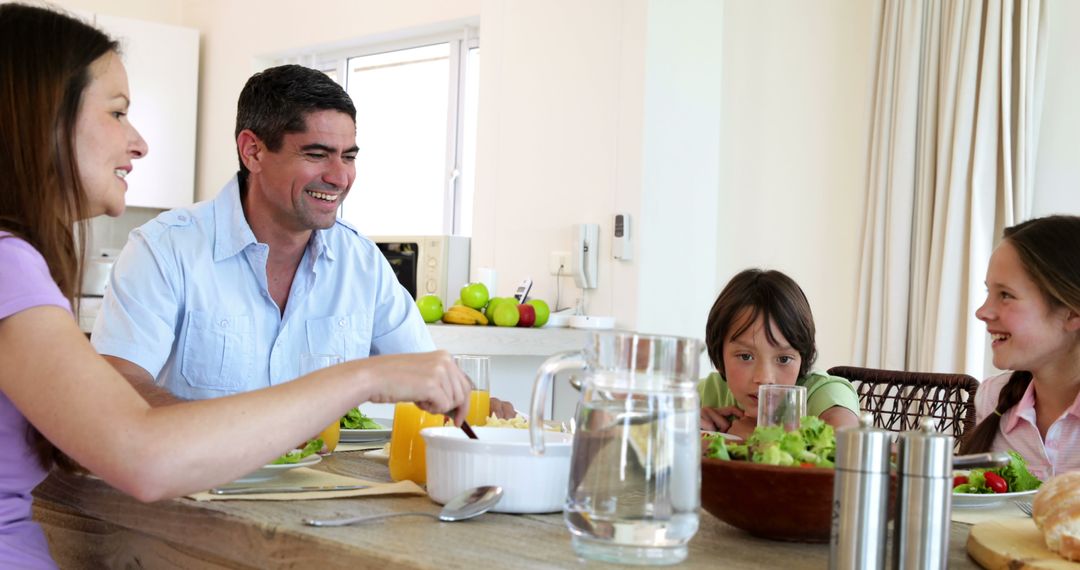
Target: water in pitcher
(635,479)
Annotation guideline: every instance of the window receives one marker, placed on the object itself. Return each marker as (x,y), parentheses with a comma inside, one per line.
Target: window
(416,108)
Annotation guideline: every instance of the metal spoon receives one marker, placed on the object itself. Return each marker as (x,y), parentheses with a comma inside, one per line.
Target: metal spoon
(470,503)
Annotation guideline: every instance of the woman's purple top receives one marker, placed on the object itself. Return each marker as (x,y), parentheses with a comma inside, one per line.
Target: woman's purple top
(25,282)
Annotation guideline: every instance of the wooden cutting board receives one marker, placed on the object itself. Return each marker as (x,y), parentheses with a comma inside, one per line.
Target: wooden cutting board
(1013,545)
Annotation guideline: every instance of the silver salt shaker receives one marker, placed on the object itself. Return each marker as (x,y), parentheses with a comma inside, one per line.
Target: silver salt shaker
(923,499)
(860,498)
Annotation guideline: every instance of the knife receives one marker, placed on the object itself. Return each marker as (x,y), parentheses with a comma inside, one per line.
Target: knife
(269,490)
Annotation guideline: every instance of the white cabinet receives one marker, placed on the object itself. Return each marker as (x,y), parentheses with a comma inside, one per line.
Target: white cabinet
(162,64)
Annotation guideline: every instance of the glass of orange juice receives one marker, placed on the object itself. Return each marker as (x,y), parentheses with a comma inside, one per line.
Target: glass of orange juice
(478,369)
(309,363)
(407,459)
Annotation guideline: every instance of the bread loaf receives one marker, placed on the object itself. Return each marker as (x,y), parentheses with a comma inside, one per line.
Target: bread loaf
(1056,511)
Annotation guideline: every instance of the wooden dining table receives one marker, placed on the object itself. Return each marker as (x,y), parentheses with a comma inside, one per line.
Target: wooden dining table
(91,525)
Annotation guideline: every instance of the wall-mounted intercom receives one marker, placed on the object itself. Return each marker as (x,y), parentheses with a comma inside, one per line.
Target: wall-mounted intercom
(585,250)
(620,242)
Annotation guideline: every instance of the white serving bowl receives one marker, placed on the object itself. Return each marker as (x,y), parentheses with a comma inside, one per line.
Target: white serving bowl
(503,457)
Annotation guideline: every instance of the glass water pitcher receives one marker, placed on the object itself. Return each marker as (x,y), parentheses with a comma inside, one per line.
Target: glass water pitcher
(635,472)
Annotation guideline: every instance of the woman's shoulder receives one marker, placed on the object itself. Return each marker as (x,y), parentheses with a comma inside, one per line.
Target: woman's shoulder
(16,254)
(25,281)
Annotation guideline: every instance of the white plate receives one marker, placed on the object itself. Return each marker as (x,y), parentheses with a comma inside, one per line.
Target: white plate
(268,472)
(363,435)
(980,501)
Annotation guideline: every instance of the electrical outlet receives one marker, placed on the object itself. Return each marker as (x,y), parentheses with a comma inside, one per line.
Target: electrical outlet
(559,259)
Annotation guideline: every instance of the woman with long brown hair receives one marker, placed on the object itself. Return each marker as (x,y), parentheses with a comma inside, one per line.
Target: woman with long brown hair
(1032,312)
(65,148)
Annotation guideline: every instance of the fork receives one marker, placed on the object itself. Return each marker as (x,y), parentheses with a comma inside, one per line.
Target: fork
(1026,507)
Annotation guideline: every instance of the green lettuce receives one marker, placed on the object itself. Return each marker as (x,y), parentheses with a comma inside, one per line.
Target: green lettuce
(813,444)
(355,419)
(296,455)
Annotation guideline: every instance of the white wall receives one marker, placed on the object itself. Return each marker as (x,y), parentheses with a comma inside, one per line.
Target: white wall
(796,112)
(558,139)
(1057,166)
(681,166)
(161,11)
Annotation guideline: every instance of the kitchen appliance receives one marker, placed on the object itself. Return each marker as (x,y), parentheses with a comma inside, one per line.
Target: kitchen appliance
(96,276)
(635,468)
(95,280)
(428,265)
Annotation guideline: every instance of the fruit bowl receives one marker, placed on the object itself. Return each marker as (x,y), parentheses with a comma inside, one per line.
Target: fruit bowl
(780,503)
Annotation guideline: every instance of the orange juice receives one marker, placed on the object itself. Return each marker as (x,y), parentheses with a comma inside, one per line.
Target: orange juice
(331,435)
(479,407)
(406,445)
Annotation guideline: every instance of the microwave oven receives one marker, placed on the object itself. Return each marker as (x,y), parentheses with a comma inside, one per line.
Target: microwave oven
(428,265)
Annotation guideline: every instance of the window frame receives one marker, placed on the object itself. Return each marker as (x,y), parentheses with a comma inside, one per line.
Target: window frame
(459,41)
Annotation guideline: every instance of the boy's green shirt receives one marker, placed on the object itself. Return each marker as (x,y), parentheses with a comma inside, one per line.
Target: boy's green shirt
(822,392)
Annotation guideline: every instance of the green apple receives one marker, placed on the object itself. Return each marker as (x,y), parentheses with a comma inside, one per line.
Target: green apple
(474,295)
(492,304)
(431,308)
(542,311)
(506,315)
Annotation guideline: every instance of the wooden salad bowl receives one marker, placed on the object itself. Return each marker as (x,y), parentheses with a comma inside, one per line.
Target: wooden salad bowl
(779,503)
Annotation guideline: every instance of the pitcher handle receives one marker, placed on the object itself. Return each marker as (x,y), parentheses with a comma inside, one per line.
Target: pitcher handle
(548,370)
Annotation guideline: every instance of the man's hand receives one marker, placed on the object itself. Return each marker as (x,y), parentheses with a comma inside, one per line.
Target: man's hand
(502,409)
(431,380)
(719,419)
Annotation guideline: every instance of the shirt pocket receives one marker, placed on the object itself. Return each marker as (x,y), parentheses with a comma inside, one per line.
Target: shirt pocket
(218,351)
(348,336)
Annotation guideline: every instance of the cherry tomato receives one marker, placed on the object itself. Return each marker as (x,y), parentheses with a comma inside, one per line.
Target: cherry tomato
(996,483)
(959,480)
(806,464)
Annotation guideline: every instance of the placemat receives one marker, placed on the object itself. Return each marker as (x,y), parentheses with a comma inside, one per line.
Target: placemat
(304,476)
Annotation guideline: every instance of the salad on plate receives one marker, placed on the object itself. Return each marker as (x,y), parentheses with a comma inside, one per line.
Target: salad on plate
(1012,478)
(355,419)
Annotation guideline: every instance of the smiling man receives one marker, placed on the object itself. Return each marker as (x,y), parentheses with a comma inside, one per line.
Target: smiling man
(224,296)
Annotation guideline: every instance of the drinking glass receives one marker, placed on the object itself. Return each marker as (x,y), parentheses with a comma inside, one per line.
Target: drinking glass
(310,362)
(407,450)
(781,405)
(478,369)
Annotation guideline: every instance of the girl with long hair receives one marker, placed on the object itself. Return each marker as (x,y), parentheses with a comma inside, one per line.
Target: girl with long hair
(1032,312)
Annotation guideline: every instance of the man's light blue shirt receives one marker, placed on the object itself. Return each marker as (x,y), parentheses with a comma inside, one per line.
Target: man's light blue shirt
(188,301)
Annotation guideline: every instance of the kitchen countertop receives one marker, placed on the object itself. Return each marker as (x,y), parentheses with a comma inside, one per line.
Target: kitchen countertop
(91,525)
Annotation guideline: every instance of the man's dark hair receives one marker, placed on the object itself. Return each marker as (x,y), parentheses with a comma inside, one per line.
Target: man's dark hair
(754,293)
(276,101)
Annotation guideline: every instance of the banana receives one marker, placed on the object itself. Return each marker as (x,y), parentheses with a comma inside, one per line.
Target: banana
(462,315)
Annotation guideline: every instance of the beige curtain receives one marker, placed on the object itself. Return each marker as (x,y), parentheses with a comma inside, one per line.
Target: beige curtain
(952,151)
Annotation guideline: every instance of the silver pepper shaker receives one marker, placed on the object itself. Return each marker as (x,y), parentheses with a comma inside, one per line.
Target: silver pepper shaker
(923,499)
(860,498)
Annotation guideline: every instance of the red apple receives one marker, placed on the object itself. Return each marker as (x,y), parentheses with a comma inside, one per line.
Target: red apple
(527,315)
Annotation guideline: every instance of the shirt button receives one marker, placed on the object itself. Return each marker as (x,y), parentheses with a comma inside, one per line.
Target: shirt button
(224,323)
(182,218)
(341,323)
